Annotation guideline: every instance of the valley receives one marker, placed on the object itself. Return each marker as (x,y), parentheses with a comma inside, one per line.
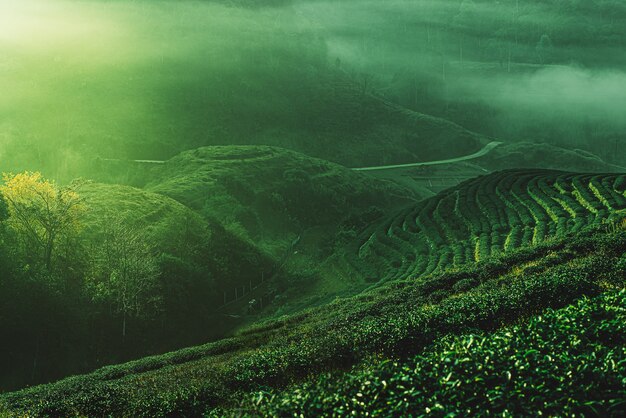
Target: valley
(303,208)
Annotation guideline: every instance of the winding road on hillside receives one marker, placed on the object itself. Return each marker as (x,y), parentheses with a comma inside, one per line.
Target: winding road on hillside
(133,161)
(484,151)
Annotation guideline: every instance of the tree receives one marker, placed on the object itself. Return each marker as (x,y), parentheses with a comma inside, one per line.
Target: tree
(126,270)
(4,209)
(42,213)
(5,258)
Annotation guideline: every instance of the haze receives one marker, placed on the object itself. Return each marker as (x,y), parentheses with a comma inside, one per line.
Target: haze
(147,79)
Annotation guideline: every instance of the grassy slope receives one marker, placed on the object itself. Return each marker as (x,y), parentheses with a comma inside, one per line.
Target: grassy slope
(398,318)
(271,193)
(256,200)
(271,196)
(157,215)
(175,229)
(546,156)
(427,181)
(486,216)
(570,361)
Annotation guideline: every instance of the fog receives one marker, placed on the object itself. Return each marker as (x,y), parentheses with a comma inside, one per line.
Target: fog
(564,91)
(112,79)
(147,79)
(156,248)
(519,70)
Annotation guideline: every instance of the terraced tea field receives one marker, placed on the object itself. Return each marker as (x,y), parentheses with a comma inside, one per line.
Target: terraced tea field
(487,216)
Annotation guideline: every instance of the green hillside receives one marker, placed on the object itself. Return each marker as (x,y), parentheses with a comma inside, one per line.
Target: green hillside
(176,230)
(248,235)
(271,193)
(537,368)
(290,206)
(69,319)
(487,216)
(396,320)
(294,208)
(401,317)
(546,156)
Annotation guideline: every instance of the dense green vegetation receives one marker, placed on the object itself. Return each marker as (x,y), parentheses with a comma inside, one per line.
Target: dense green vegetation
(487,216)
(565,362)
(73,315)
(340,207)
(271,193)
(398,319)
(171,242)
(244,207)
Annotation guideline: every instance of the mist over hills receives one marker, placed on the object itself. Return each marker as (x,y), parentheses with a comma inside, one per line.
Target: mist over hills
(168,76)
(312,207)
(393,320)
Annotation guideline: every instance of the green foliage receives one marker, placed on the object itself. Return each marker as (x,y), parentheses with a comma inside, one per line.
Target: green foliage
(486,216)
(4,209)
(256,185)
(141,262)
(45,216)
(396,319)
(146,80)
(267,197)
(569,361)
(125,271)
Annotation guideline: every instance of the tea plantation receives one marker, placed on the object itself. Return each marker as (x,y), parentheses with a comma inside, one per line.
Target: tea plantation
(468,330)
(487,216)
(397,320)
(566,362)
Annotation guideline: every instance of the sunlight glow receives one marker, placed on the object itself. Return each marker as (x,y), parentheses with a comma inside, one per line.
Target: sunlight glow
(36,23)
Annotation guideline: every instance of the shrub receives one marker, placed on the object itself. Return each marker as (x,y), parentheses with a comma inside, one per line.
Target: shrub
(398,320)
(565,362)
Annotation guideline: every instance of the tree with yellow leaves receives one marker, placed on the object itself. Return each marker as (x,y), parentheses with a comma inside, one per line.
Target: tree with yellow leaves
(42,212)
